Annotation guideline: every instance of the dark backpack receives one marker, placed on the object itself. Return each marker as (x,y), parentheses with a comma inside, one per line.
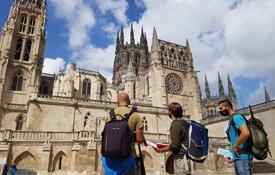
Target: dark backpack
(117,136)
(257,141)
(197,148)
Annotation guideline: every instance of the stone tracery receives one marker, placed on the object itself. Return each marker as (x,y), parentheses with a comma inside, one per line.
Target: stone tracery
(173,56)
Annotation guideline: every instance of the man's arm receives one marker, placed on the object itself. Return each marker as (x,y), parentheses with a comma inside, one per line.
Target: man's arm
(139,135)
(175,144)
(244,134)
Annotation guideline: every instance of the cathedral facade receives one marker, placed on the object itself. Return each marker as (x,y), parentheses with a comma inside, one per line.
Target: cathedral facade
(51,123)
(153,77)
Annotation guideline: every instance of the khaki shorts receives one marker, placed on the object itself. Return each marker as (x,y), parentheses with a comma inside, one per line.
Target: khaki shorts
(180,167)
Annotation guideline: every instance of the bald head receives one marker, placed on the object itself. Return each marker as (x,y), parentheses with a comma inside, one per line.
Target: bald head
(123,99)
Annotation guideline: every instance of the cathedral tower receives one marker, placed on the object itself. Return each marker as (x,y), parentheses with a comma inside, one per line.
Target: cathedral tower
(173,77)
(22,46)
(131,61)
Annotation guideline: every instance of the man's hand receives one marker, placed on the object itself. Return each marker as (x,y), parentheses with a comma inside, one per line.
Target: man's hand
(229,161)
(236,150)
(162,150)
(157,150)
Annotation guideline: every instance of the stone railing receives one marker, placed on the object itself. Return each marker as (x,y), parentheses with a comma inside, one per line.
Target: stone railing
(145,102)
(41,136)
(8,135)
(142,107)
(161,138)
(255,108)
(218,141)
(50,98)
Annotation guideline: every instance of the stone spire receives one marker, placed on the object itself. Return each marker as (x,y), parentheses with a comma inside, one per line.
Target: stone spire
(231,91)
(121,36)
(145,42)
(221,89)
(189,53)
(145,39)
(155,42)
(267,97)
(142,38)
(207,89)
(187,45)
(117,39)
(132,36)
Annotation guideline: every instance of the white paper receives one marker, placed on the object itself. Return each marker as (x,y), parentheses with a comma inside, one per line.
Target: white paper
(151,144)
(225,153)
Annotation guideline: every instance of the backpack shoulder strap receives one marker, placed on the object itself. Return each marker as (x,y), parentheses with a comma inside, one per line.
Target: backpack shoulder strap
(112,114)
(127,115)
(233,123)
(183,123)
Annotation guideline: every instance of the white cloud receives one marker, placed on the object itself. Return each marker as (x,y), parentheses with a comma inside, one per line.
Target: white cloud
(238,41)
(116,7)
(97,59)
(79,18)
(258,96)
(52,65)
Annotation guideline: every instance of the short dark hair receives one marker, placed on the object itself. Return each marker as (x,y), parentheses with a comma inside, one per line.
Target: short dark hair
(226,102)
(175,109)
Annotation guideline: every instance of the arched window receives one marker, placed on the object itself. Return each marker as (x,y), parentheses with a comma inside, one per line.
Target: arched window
(211,112)
(60,163)
(86,89)
(44,88)
(101,89)
(145,124)
(85,121)
(31,25)
(147,85)
(18,49)
(17,81)
(28,50)
(86,118)
(19,123)
(23,23)
(134,91)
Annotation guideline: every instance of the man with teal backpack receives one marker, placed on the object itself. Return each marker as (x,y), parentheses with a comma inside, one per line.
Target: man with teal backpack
(238,134)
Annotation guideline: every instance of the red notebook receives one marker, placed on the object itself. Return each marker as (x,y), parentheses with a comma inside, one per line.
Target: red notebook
(156,145)
(160,145)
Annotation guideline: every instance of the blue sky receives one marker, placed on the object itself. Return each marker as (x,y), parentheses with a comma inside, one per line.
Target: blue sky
(227,36)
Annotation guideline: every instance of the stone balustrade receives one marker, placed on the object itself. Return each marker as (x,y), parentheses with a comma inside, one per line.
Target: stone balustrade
(255,108)
(142,107)
(40,136)
(8,135)
(219,141)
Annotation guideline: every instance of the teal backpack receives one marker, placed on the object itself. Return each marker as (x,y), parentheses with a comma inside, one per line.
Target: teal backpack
(258,137)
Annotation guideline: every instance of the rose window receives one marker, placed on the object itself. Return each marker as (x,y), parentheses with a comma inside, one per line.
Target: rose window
(173,83)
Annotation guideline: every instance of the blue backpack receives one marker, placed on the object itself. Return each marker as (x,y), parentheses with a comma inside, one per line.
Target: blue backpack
(197,148)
